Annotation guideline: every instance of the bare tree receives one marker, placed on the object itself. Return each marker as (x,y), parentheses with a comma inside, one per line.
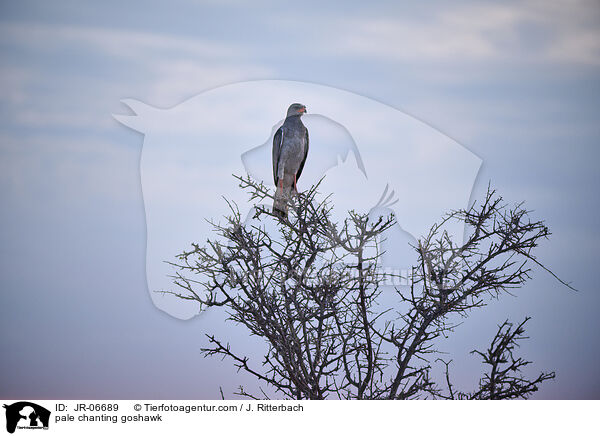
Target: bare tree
(310,289)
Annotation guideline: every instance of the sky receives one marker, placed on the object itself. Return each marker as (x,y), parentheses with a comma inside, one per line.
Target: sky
(515,83)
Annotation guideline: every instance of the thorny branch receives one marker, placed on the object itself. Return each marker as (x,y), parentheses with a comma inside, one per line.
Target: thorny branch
(310,288)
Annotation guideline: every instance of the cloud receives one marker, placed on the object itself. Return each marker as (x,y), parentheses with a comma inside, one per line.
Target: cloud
(48,168)
(533,30)
(114,42)
(104,66)
(14,80)
(181,79)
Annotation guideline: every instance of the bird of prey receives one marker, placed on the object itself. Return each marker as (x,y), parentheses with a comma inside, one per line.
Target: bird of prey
(290,148)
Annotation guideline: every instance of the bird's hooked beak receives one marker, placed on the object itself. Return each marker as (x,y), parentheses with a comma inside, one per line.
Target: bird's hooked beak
(302,110)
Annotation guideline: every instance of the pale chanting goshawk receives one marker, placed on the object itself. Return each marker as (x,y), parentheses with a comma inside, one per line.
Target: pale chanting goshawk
(290,148)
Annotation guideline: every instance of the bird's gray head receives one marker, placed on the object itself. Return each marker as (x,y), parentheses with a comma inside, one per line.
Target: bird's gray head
(296,109)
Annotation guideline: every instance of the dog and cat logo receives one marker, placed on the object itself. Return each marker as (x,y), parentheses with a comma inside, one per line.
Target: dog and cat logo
(26,415)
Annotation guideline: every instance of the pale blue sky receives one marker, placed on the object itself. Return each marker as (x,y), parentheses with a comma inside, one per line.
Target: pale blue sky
(517,83)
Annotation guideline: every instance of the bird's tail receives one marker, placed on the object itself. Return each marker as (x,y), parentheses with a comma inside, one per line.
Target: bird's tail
(280,204)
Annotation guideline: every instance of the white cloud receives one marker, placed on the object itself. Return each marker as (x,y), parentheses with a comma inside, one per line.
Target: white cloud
(60,168)
(478,32)
(115,42)
(178,80)
(14,80)
(167,70)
